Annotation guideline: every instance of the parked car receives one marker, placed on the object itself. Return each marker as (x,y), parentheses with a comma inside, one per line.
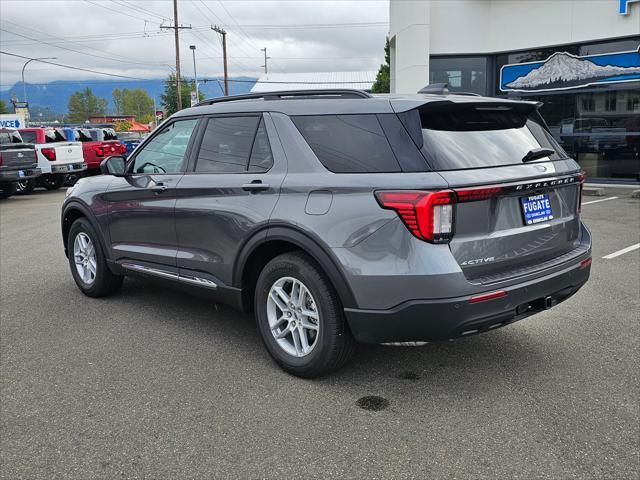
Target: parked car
(57,157)
(97,144)
(18,161)
(339,217)
(130,140)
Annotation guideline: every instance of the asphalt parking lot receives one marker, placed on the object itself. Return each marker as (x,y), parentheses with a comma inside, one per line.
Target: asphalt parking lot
(153,383)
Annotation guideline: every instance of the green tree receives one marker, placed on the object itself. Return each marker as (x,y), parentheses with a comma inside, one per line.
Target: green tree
(3,107)
(132,102)
(382,83)
(85,104)
(169,98)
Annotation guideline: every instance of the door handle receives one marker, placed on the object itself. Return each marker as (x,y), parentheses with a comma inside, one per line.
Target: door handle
(160,188)
(255,186)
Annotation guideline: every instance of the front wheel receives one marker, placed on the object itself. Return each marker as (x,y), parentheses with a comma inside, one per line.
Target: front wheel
(87,261)
(52,182)
(7,189)
(300,317)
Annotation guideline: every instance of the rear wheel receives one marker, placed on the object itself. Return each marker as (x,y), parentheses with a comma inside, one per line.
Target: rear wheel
(88,264)
(25,187)
(52,182)
(300,317)
(7,189)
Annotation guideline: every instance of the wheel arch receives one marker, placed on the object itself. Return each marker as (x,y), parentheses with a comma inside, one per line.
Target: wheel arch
(72,212)
(260,249)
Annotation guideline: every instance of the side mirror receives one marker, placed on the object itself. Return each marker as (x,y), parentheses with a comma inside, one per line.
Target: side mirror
(114,165)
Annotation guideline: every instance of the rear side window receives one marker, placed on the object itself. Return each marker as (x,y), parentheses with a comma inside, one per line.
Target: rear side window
(226,145)
(476,136)
(348,143)
(29,137)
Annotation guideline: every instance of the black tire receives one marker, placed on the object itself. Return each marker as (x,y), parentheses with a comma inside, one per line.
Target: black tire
(335,344)
(25,187)
(71,179)
(106,282)
(7,189)
(52,182)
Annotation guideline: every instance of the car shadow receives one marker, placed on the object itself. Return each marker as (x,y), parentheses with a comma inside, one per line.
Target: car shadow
(490,357)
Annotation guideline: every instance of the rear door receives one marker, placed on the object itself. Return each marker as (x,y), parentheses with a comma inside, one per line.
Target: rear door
(511,214)
(228,194)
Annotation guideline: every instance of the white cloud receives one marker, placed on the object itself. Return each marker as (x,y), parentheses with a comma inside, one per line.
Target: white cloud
(112,36)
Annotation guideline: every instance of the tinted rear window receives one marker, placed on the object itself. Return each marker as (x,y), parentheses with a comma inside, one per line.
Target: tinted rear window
(348,143)
(29,137)
(475,137)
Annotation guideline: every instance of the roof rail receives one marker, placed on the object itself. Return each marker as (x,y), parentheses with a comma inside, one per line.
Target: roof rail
(442,89)
(290,94)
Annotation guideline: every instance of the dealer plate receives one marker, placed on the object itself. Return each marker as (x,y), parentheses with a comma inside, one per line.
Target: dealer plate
(536,208)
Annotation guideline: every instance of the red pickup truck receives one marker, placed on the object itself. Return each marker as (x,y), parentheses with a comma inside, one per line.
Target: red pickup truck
(97,144)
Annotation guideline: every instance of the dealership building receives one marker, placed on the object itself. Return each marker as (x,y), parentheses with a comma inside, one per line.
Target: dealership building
(581,58)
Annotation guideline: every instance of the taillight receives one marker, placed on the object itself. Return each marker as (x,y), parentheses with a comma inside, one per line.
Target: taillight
(428,215)
(49,153)
(0,158)
(581,178)
(478,193)
(99,151)
(123,148)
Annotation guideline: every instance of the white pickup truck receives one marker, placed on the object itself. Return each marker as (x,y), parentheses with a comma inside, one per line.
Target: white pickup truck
(57,158)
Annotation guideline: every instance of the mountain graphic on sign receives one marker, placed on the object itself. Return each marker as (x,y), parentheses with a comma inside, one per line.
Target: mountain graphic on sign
(564,68)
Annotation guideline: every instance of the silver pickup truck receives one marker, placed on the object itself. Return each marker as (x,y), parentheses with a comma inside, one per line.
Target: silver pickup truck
(18,162)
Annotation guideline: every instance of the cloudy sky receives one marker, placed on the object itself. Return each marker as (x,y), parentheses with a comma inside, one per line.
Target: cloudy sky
(123,37)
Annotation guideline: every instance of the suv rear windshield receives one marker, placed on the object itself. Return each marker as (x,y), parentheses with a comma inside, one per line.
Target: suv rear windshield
(476,136)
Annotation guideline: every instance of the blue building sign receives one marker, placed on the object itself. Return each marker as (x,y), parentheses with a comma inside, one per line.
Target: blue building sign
(563,71)
(623,6)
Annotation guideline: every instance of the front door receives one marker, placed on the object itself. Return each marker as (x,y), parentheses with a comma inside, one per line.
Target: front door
(141,205)
(228,194)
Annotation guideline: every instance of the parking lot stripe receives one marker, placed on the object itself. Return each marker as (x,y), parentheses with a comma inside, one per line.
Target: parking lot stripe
(622,252)
(597,201)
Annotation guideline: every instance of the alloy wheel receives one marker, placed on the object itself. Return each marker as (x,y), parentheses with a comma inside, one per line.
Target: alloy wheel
(293,316)
(84,255)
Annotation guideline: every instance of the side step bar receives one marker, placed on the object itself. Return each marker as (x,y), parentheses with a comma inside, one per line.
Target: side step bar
(192,280)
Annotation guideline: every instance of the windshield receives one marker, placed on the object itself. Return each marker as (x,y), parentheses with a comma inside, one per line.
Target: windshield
(476,137)
(84,135)
(53,135)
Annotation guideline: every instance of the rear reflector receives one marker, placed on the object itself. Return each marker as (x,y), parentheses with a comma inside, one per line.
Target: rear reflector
(586,262)
(488,296)
(581,178)
(427,215)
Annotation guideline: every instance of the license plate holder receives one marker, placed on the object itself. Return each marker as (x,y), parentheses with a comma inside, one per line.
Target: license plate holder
(536,208)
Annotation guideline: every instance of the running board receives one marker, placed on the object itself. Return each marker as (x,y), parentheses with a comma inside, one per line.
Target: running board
(192,280)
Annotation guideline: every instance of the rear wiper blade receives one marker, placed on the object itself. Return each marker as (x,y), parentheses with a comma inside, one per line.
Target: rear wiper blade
(537,153)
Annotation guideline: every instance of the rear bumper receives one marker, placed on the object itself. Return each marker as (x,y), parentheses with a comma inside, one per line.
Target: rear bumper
(442,319)
(68,168)
(15,175)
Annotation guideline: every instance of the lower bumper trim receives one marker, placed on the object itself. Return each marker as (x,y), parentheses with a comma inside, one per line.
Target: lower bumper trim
(444,319)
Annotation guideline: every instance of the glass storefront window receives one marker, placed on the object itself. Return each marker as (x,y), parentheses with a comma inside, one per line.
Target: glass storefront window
(599,126)
(463,74)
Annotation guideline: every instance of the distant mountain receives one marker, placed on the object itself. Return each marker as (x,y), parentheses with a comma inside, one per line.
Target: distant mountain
(563,68)
(54,96)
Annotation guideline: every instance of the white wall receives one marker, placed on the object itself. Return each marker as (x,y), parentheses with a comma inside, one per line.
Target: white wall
(431,27)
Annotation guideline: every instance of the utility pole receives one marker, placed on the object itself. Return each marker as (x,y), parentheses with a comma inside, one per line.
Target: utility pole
(222,32)
(176,29)
(265,60)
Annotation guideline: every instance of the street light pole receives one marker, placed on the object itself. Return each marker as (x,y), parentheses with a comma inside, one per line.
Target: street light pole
(24,85)
(195,72)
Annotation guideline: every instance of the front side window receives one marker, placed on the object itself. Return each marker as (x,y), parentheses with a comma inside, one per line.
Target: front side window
(165,153)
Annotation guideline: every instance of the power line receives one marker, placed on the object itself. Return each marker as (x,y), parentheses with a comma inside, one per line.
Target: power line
(74,68)
(117,11)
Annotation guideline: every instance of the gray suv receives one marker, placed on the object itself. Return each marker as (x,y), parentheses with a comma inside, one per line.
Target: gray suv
(337,216)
